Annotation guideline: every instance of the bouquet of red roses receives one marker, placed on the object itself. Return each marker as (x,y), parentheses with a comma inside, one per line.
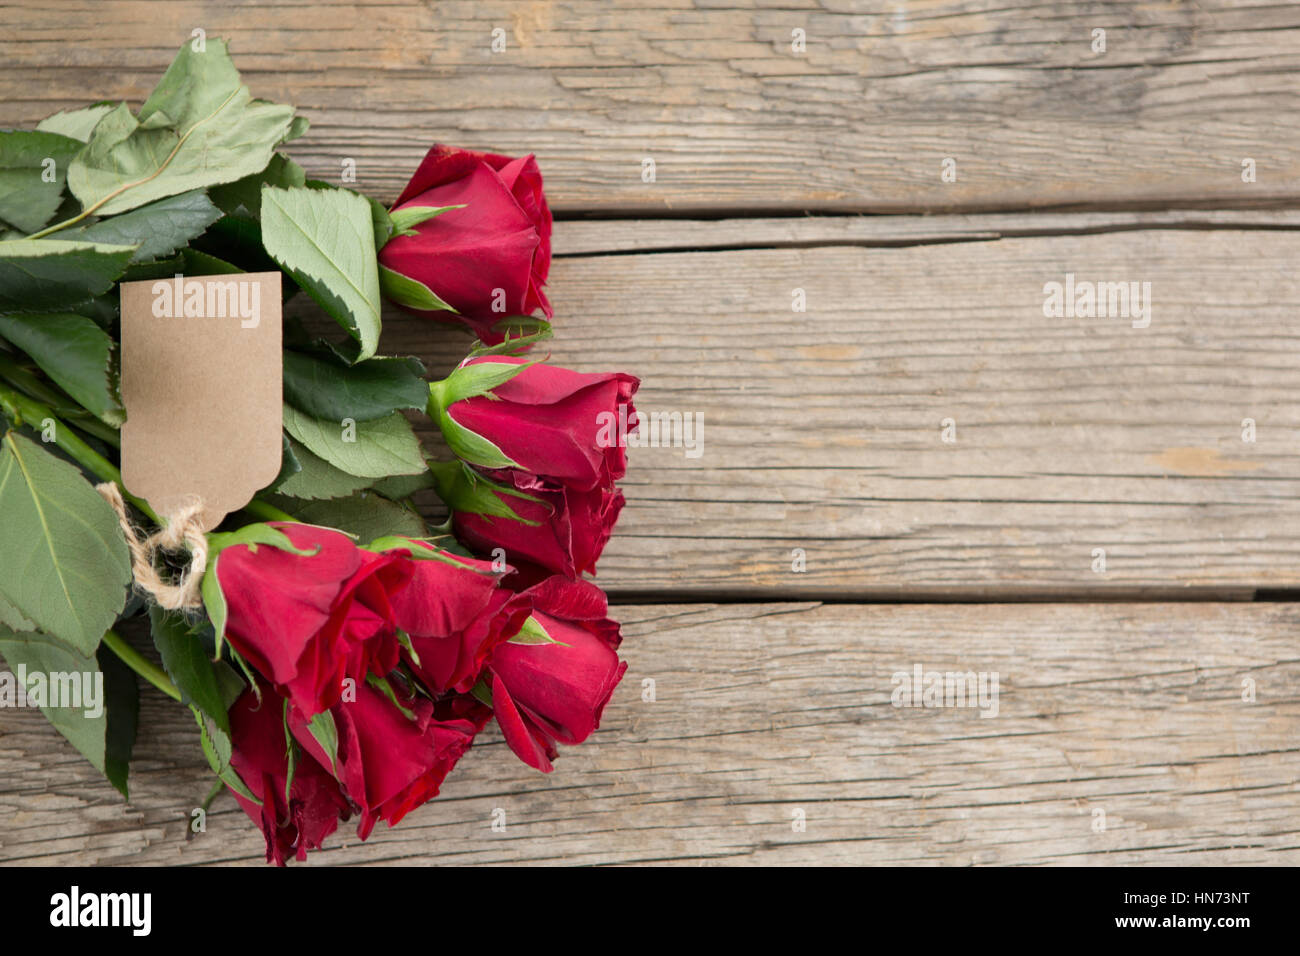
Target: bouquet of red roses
(339,655)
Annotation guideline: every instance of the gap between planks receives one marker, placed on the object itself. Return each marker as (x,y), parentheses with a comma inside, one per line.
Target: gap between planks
(604,237)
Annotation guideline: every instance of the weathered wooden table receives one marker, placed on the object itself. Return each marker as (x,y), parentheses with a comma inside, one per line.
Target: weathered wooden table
(941,461)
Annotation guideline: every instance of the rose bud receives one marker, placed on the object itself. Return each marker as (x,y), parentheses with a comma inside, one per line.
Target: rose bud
(260,756)
(393,754)
(306,621)
(554,689)
(507,412)
(473,238)
(533,520)
(454,612)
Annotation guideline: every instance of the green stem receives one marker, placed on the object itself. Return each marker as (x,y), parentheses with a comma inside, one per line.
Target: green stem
(67,222)
(212,795)
(22,409)
(266,511)
(20,378)
(93,426)
(28,383)
(134,660)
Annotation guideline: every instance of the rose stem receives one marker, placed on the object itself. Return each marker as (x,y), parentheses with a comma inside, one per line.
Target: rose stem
(22,409)
(20,378)
(28,383)
(212,795)
(134,660)
(267,512)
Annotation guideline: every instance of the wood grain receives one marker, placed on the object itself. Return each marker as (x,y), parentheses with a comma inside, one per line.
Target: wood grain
(822,429)
(764,709)
(715,95)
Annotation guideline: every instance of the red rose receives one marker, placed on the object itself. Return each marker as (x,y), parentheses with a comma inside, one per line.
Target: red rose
(543,694)
(564,531)
(501,240)
(260,756)
(563,425)
(307,622)
(388,763)
(454,612)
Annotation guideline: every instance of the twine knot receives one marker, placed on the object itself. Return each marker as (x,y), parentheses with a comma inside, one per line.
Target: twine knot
(181,530)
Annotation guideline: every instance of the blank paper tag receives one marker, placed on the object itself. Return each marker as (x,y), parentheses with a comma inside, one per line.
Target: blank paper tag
(201,382)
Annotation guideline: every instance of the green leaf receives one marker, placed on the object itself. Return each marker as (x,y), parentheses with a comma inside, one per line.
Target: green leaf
(217,749)
(521,332)
(199,128)
(76,353)
(187,664)
(409,292)
(471,381)
(237,240)
(482,692)
(33,169)
(468,445)
(12,619)
(408,217)
(289,463)
(382,223)
(244,197)
(472,447)
(534,633)
(78,124)
(41,656)
(122,706)
(365,515)
(102,309)
(381,447)
(196,263)
(153,269)
(45,275)
(411,544)
(381,684)
(251,535)
(158,229)
(325,240)
(316,478)
(465,490)
(63,561)
(327,389)
(404,639)
(403,486)
(291,753)
(322,727)
(229,683)
(297,128)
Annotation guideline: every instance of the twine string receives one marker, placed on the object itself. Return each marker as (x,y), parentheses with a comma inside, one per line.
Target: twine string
(182,530)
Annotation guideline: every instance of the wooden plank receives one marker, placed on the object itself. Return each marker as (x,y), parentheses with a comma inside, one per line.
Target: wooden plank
(730,114)
(822,429)
(761,710)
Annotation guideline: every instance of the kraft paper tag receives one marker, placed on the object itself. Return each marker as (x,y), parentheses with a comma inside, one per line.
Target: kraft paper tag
(201,382)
